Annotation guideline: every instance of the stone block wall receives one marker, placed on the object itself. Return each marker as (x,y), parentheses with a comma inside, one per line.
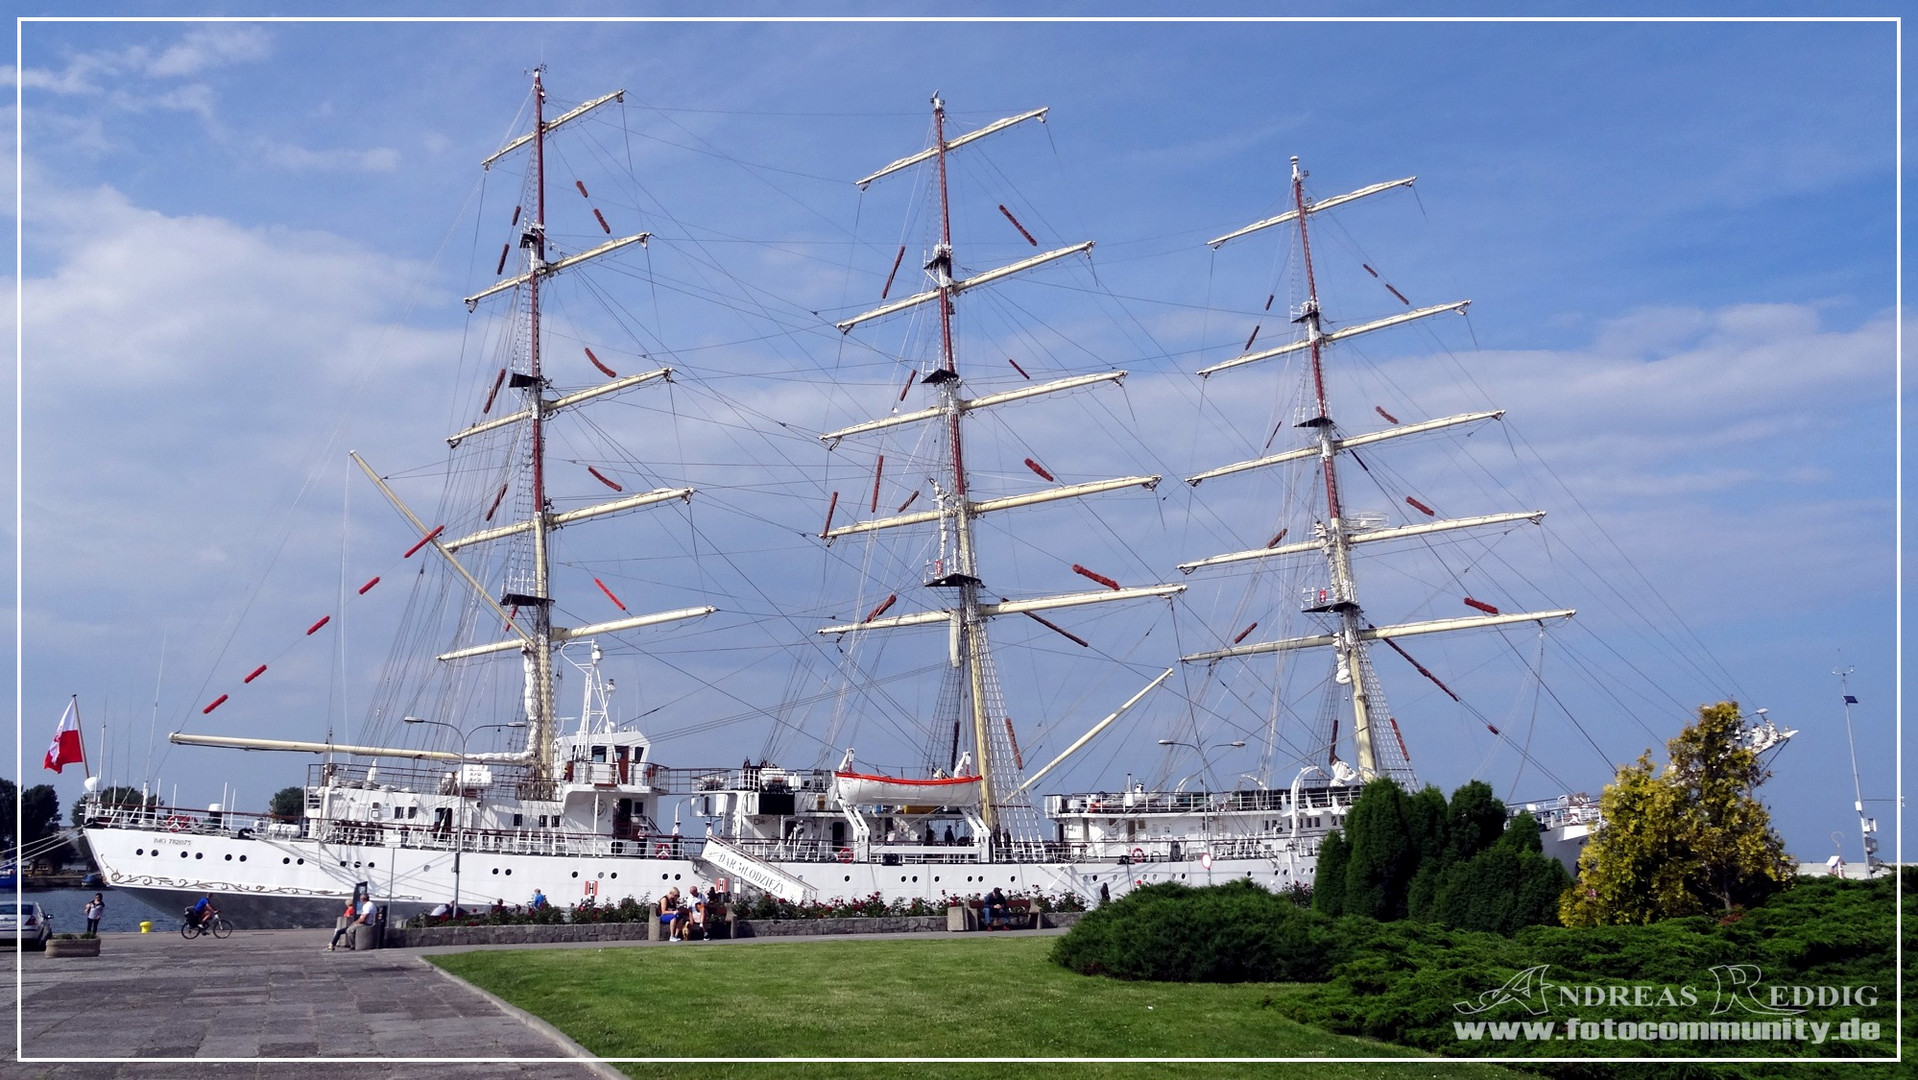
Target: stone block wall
(552,933)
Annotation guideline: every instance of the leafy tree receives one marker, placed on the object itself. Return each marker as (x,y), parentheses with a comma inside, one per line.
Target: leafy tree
(1683,841)
(110,797)
(9,800)
(40,825)
(39,814)
(288,803)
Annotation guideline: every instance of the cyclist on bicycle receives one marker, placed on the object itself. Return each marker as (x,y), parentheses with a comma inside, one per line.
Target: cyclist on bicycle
(202,912)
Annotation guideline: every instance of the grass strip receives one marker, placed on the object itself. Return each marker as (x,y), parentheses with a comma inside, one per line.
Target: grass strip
(969,997)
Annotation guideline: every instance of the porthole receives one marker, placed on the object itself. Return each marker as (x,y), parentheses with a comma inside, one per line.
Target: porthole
(229,858)
(575,873)
(182,854)
(342,864)
(615,873)
(369,865)
(915,877)
(664,877)
(675,877)
(848,877)
(139,851)
(301,861)
(285,861)
(935,877)
(242,858)
(199,855)
(602,873)
(509,871)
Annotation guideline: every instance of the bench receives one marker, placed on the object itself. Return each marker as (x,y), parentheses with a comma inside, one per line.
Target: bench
(1020,914)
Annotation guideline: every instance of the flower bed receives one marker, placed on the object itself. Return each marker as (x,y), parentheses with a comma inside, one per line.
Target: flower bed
(761,908)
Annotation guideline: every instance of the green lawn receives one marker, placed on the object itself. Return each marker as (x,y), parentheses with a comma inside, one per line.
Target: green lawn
(970,997)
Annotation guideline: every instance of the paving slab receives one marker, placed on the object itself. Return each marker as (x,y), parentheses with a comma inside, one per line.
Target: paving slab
(156,1006)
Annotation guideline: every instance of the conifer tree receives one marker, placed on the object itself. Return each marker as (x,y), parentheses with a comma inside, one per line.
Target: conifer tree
(1426,815)
(1328,884)
(1382,855)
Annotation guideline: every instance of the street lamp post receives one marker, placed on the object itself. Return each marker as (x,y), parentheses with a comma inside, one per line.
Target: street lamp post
(459,790)
(1205,767)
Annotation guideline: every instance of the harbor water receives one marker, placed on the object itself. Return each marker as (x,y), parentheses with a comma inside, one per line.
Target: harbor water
(124,913)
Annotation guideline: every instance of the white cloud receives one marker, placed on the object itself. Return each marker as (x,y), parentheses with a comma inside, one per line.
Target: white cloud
(301,159)
(215,46)
(104,71)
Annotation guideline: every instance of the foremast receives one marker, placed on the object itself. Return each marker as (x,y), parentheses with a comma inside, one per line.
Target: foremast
(1334,536)
(528,594)
(1005,810)
(523,606)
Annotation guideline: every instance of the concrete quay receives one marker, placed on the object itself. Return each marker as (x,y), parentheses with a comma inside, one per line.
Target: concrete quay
(273,1000)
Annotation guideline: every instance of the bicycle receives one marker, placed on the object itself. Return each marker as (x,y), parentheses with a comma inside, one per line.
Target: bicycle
(215,924)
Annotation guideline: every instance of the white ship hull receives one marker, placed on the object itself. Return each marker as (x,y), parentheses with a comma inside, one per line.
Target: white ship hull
(263,882)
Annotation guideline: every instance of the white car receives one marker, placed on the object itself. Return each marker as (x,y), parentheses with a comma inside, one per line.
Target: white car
(27,922)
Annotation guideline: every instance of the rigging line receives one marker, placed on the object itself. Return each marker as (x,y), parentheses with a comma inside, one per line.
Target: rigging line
(1531,724)
(1622,658)
(1655,626)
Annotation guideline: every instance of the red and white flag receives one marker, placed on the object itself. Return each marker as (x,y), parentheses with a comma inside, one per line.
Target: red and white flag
(66,749)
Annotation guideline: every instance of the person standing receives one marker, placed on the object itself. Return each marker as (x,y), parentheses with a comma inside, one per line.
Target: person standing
(95,908)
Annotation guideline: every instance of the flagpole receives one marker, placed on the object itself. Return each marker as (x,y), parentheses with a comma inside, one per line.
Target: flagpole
(80,732)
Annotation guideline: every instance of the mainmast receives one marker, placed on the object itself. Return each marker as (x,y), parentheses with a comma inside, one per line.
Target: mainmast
(539,655)
(974,651)
(1335,535)
(1342,599)
(970,652)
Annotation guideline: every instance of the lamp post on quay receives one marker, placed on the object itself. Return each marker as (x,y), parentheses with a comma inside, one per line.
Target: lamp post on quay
(1205,767)
(459,789)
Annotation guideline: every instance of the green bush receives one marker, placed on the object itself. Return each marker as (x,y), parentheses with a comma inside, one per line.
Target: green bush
(1237,932)
(1398,981)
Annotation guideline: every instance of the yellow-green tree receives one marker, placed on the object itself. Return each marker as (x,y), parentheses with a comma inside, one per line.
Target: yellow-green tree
(1683,841)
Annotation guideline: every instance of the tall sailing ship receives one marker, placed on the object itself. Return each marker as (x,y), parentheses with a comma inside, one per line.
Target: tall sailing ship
(578,806)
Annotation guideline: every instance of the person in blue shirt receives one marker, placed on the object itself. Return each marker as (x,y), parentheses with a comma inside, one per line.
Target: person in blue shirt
(539,900)
(203,911)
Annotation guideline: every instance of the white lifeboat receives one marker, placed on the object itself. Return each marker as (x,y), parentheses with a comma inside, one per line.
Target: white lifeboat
(861,788)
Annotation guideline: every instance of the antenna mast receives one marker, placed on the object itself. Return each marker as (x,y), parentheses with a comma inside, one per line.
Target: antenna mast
(1867,827)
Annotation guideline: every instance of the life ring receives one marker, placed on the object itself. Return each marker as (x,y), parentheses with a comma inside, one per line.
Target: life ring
(660,851)
(1138,854)
(177,824)
(845,854)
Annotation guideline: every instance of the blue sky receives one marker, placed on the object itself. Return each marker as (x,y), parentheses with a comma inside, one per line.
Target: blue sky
(244,245)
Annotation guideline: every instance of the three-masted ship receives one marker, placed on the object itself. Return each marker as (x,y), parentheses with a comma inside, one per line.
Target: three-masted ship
(580,811)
